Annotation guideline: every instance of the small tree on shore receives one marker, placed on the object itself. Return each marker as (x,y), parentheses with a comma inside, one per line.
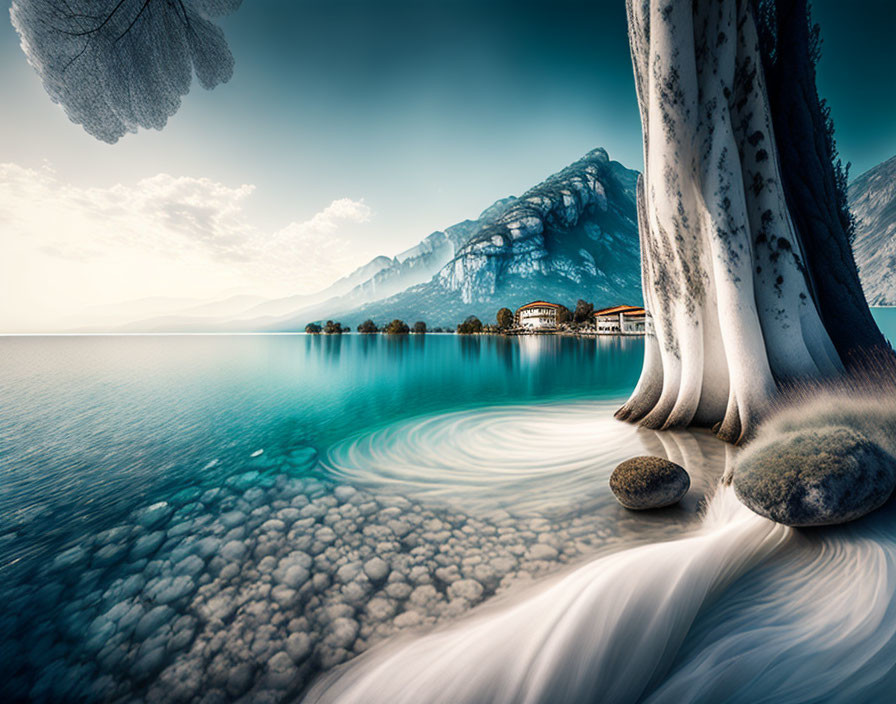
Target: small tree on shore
(505,318)
(563,315)
(420,327)
(312,328)
(470,326)
(397,327)
(332,328)
(583,311)
(368,326)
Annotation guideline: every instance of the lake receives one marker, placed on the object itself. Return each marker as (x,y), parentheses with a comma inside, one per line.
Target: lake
(233,515)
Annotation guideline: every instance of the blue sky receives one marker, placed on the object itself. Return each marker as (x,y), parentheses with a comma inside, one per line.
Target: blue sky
(409,115)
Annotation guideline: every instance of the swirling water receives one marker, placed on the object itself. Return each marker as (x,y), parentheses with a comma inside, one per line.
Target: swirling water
(151,552)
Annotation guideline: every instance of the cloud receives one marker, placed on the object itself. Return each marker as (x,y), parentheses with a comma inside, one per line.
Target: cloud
(164,235)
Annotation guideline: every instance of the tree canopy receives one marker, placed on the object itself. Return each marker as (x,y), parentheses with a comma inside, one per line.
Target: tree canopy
(470,326)
(583,311)
(505,318)
(397,327)
(118,65)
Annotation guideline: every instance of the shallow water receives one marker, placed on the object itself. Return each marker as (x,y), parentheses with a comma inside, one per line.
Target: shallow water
(180,514)
(230,518)
(92,428)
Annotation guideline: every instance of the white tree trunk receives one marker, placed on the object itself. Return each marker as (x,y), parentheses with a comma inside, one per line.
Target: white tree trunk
(723,268)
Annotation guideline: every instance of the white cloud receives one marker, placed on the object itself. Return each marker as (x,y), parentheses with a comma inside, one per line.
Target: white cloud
(64,248)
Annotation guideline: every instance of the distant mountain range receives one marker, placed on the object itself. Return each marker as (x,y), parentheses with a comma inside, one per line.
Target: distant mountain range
(573,236)
(872,198)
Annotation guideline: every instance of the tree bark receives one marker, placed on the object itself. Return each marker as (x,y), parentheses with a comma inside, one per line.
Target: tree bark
(735,307)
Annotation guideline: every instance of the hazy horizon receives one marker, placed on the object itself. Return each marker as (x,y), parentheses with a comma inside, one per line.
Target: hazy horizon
(347,132)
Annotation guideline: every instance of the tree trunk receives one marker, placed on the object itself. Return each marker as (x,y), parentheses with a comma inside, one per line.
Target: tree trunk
(815,191)
(726,278)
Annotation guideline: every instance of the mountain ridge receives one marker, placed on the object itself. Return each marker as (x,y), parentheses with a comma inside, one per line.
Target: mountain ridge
(872,200)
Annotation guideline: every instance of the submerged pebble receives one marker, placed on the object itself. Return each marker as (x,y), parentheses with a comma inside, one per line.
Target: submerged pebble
(253,588)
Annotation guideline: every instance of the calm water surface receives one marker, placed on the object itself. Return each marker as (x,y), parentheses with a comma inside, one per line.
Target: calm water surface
(92,427)
(180,515)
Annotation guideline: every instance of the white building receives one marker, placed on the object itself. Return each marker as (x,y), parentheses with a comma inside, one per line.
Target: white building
(621,320)
(538,315)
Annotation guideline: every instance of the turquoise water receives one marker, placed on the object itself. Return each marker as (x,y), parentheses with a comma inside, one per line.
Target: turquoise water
(92,427)
(229,517)
(886,321)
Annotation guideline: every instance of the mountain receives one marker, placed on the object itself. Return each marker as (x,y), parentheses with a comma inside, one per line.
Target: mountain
(872,199)
(573,236)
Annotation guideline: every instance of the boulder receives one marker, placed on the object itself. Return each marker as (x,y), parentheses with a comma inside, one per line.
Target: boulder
(649,482)
(815,476)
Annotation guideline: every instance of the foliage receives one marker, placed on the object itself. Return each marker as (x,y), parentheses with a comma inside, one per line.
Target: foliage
(505,318)
(583,311)
(563,315)
(768,14)
(332,328)
(470,326)
(312,328)
(397,327)
(368,326)
(419,327)
(117,65)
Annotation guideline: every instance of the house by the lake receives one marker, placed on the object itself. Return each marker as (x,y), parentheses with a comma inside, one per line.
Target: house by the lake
(538,315)
(620,320)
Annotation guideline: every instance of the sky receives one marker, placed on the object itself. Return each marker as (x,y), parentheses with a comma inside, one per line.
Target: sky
(350,129)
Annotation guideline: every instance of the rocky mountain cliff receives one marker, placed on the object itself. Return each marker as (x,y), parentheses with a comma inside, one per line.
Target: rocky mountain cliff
(872,199)
(573,236)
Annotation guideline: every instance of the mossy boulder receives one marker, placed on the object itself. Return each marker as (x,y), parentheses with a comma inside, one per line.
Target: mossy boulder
(649,482)
(815,476)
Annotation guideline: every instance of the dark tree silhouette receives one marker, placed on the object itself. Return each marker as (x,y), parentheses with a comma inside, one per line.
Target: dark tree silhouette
(368,326)
(312,328)
(505,318)
(813,175)
(420,327)
(397,327)
(470,326)
(117,65)
(563,315)
(583,311)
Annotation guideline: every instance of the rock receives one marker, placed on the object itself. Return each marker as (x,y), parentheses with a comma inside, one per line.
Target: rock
(239,679)
(281,670)
(342,633)
(376,569)
(168,589)
(468,589)
(298,646)
(146,545)
(152,621)
(818,476)
(379,609)
(649,482)
(152,516)
(233,551)
(542,551)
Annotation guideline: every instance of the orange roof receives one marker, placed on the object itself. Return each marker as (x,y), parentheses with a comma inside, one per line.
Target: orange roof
(627,310)
(538,304)
(640,313)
